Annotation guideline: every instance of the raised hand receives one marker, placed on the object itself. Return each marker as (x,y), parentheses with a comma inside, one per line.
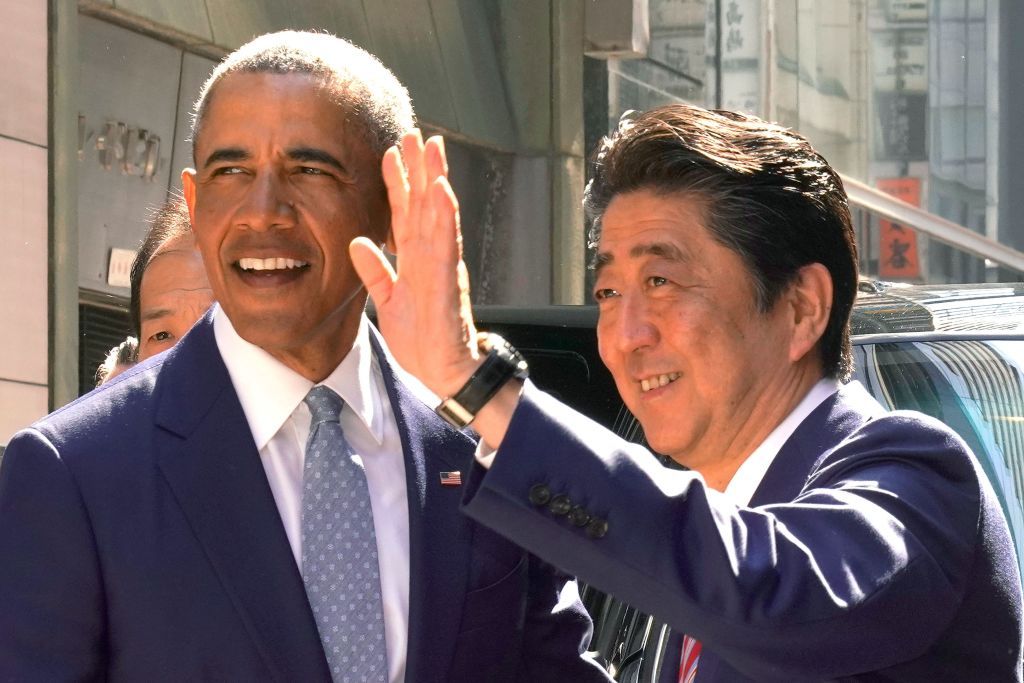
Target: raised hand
(423,309)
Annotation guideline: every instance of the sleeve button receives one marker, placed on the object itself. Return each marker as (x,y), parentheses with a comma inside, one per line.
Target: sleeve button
(597,528)
(579,516)
(560,504)
(540,494)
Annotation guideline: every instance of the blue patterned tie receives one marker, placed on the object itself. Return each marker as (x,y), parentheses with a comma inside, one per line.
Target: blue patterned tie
(339,549)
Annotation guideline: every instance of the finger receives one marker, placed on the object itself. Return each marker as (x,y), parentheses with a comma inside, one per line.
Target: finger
(412,154)
(373,269)
(434,158)
(445,207)
(397,186)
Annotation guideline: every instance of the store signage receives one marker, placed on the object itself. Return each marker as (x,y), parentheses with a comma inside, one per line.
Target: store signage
(119,146)
(898,258)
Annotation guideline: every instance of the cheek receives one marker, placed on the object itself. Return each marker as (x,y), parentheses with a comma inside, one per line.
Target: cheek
(605,342)
(209,252)
(149,348)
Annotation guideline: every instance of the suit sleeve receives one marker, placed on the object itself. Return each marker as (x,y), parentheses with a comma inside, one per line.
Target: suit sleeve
(557,630)
(883,535)
(51,622)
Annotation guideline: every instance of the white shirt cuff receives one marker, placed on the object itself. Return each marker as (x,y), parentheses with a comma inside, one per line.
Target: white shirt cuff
(485,454)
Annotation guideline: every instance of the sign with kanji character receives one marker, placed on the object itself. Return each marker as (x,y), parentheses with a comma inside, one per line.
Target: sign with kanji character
(897,256)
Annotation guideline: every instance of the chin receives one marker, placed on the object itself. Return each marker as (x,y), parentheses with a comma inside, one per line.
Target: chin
(267,334)
(668,445)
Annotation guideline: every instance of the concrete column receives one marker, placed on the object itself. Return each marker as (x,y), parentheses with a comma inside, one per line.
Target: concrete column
(63,204)
(568,242)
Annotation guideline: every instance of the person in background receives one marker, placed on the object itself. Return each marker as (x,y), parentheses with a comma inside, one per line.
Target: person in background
(169,287)
(816,536)
(118,359)
(269,499)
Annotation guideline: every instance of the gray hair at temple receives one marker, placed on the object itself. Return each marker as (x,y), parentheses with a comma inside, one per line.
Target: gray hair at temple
(119,359)
(357,79)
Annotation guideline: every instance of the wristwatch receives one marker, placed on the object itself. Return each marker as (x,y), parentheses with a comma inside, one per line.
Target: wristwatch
(502,363)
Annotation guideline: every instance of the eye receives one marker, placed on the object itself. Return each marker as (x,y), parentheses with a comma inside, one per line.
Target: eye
(313,171)
(604,293)
(161,336)
(656,281)
(227,170)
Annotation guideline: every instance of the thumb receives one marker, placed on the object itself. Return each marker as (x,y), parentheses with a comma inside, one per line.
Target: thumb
(373,269)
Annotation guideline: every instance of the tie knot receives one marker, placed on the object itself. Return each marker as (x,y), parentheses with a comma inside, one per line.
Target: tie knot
(324,404)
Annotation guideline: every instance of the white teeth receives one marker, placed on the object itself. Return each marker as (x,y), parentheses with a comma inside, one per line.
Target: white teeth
(277,263)
(658,381)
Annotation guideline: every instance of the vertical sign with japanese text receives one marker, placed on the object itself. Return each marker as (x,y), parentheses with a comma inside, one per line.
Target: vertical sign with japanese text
(898,258)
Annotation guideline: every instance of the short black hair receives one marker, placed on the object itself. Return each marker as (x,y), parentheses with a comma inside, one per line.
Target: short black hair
(766,194)
(358,80)
(169,222)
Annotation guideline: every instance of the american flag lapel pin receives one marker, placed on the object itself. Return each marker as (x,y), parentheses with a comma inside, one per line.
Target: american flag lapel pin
(451,479)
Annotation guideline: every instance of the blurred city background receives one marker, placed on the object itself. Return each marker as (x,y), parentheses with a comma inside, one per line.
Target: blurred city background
(915,102)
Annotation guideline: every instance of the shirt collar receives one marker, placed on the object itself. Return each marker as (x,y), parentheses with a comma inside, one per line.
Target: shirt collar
(270,391)
(748,477)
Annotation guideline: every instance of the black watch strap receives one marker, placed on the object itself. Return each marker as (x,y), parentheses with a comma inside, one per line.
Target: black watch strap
(502,363)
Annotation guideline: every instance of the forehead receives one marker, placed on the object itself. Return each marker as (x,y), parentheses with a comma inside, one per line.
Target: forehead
(647,216)
(244,104)
(176,268)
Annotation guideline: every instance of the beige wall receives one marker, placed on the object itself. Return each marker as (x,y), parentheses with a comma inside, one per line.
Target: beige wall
(23,232)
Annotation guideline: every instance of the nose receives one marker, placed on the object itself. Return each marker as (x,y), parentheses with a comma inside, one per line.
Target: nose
(266,204)
(630,326)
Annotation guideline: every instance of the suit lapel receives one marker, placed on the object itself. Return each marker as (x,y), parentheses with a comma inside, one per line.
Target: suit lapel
(440,536)
(790,469)
(206,453)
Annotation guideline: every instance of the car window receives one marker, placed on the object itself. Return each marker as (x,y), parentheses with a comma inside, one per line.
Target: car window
(975,387)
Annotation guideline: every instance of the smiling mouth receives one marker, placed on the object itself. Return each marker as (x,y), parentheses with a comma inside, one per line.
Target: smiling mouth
(250,265)
(658,381)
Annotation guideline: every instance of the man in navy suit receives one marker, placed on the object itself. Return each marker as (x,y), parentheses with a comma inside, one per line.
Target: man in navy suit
(154,529)
(816,536)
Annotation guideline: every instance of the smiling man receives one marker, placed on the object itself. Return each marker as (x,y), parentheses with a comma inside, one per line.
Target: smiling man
(269,500)
(816,537)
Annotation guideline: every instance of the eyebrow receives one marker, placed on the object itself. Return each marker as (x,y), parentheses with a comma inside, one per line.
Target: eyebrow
(295,154)
(226,154)
(665,250)
(315,154)
(155,314)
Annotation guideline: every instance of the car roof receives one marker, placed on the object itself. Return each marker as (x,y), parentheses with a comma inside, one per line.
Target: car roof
(986,310)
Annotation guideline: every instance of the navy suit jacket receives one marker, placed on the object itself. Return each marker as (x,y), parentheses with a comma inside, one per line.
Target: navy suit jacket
(874,548)
(139,540)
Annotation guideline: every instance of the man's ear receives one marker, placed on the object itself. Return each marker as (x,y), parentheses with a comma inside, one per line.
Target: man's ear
(810,299)
(188,190)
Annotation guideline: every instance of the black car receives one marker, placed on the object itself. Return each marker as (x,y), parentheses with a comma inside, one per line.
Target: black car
(955,352)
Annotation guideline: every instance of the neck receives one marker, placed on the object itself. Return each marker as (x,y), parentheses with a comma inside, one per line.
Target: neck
(765,414)
(318,357)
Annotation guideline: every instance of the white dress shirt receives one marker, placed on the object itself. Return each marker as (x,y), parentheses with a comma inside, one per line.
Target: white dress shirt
(272,395)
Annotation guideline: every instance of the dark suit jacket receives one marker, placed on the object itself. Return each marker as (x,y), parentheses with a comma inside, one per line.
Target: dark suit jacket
(874,548)
(140,541)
